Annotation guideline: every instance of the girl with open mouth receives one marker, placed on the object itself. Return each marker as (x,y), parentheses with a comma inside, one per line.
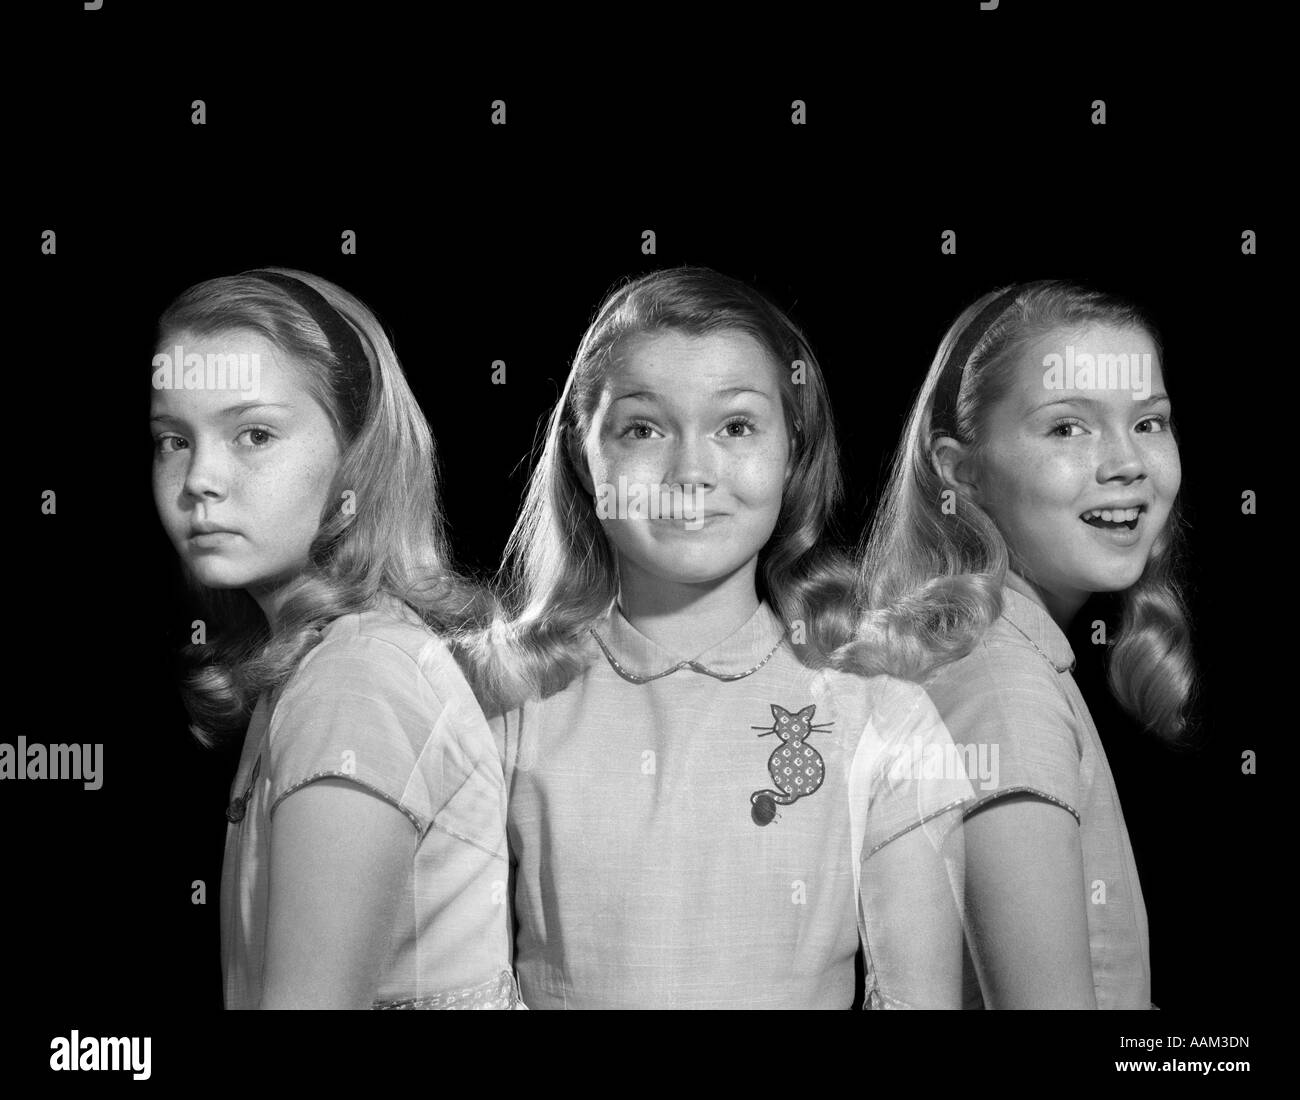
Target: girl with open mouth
(1013,499)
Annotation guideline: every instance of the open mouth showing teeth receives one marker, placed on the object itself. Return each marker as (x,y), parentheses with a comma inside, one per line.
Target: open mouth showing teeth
(1112,519)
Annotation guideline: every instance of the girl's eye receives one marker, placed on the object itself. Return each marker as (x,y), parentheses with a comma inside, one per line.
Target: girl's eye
(1062,428)
(264,433)
(1157,424)
(742,422)
(636,427)
(160,444)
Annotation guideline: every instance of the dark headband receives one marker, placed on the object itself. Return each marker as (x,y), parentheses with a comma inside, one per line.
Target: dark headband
(342,338)
(943,416)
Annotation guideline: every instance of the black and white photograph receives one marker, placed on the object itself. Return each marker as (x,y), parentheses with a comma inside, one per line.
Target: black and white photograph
(664,525)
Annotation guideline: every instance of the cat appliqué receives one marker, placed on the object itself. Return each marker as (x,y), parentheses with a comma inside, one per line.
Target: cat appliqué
(797,769)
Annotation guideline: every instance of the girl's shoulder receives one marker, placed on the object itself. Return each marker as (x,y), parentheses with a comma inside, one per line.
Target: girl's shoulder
(381,702)
(389,620)
(1009,689)
(387,647)
(1005,655)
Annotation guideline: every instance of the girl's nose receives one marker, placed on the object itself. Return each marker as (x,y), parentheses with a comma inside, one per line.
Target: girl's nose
(204,478)
(693,464)
(1121,458)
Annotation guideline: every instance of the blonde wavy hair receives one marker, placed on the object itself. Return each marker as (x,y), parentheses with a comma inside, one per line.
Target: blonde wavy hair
(391,542)
(559,576)
(930,584)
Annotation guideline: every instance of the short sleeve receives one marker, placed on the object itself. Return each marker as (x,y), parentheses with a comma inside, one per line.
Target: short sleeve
(1003,706)
(908,766)
(398,721)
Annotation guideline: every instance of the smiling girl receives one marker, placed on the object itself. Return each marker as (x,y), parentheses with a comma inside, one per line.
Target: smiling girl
(365,847)
(701,815)
(1020,490)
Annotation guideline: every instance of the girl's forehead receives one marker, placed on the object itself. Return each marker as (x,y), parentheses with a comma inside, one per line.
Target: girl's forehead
(202,371)
(235,341)
(672,357)
(1100,364)
(276,365)
(1094,339)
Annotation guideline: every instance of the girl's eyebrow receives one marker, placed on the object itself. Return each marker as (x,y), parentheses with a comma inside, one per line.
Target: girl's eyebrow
(1093,403)
(227,413)
(730,391)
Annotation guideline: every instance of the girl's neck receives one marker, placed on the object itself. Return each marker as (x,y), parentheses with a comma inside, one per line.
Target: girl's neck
(269,597)
(687,618)
(1062,608)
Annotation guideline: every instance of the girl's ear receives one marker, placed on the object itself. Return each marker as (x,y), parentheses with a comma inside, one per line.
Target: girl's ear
(578,460)
(954,466)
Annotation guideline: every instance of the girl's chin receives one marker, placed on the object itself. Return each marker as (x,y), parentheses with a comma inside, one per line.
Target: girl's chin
(213,574)
(679,571)
(220,582)
(1116,584)
(1103,582)
(698,576)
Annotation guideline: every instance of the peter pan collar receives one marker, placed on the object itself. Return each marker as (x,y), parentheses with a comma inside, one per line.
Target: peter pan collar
(1032,620)
(638,659)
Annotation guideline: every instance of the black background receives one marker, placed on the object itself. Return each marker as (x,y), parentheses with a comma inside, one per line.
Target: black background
(478,243)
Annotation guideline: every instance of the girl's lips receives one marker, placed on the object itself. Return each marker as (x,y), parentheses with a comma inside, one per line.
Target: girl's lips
(213,538)
(695,523)
(1122,536)
(1115,512)
(693,517)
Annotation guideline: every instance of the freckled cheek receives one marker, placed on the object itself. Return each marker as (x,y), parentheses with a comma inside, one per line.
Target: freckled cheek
(757,480)
(1049,475)
(1016,481)
(168,485)
(1166,470)
(297,500)
(1064,481)
(606,466)
(609,458)
(644,468)
(319,485)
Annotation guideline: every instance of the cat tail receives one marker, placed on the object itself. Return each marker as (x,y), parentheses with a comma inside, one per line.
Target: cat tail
(776,796)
